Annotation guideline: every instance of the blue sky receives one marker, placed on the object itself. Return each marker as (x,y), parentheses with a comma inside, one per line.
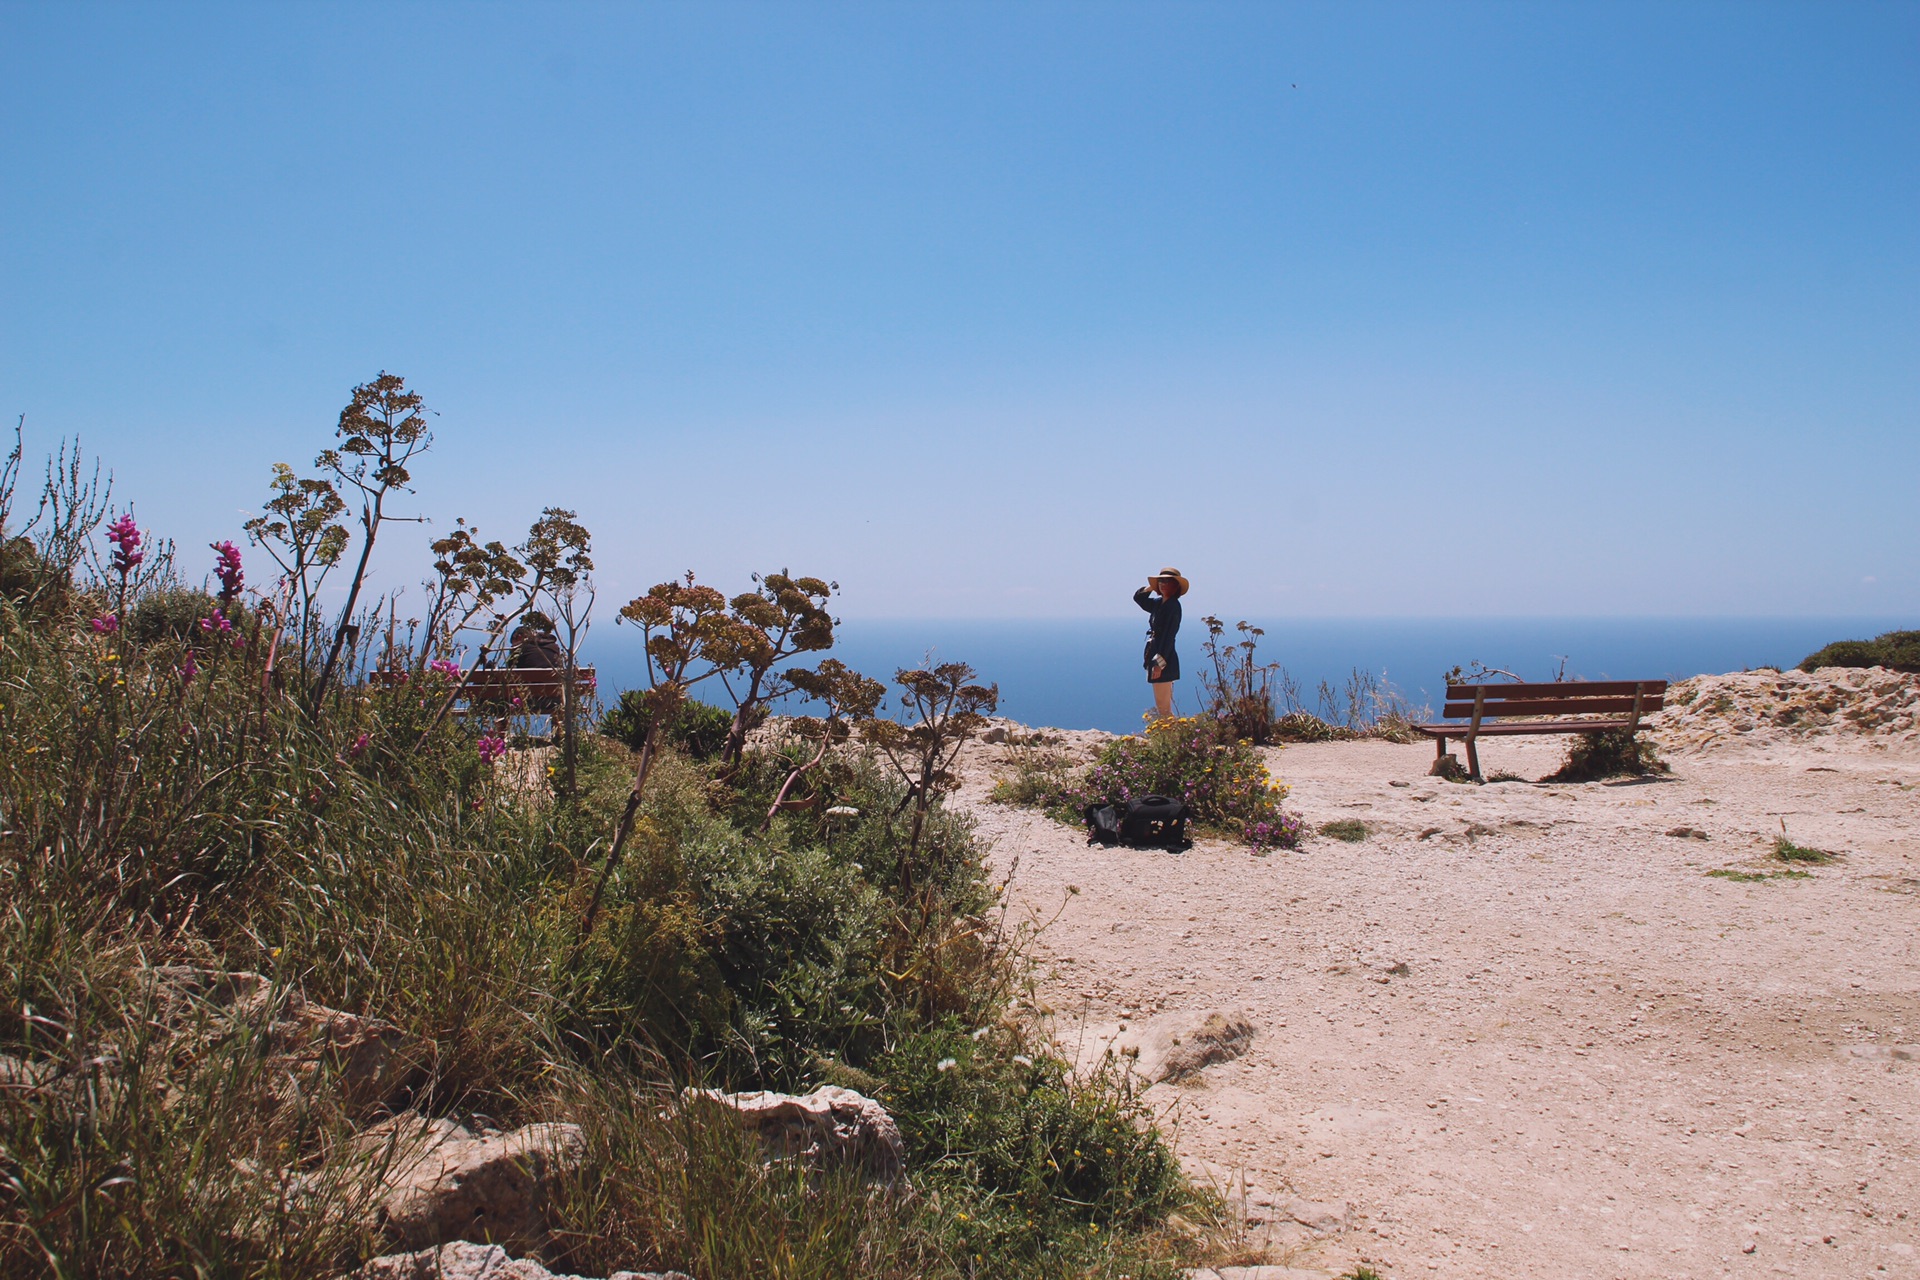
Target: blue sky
(989,309)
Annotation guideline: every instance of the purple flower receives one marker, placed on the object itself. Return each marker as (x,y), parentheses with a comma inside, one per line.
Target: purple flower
(125,537)
(226,567)
(217,625)
(189,669)
(105,625)
(445,667)
(359,745)
(491,749)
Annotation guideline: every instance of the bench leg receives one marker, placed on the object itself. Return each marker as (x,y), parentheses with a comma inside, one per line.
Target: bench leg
(1439,749)
(1473,760)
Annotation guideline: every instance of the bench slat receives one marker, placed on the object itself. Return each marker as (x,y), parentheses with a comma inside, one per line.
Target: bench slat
(1502,730)
(1556,707)
(1565,689)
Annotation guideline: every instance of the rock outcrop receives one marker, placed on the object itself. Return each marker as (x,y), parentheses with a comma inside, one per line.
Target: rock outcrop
(460,1260)
(442,1182)
(830,1128)
(1851,705)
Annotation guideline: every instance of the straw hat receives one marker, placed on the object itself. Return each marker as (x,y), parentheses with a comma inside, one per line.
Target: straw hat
(1175,575)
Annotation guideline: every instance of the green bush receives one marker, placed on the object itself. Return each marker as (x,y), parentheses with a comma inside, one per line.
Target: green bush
(1194,759)
(1899,650)
(700,730)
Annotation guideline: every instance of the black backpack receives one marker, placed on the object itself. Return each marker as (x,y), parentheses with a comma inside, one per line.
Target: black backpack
(1150,822)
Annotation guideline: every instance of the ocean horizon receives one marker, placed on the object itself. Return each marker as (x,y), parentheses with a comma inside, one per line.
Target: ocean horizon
(1085,673)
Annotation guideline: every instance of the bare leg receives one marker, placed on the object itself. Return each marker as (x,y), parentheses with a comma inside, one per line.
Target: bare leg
(1163,698)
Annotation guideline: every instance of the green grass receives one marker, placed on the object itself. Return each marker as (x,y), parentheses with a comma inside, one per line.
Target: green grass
(1786,850)
(1755,877)
(1351,830)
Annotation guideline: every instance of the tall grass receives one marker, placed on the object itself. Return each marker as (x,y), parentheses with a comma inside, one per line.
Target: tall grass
(167,798)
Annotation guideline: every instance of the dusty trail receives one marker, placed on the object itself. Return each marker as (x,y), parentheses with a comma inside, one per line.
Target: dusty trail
(1598,1061)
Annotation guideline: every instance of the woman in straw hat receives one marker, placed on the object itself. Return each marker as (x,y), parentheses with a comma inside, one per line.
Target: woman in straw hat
(1162,663)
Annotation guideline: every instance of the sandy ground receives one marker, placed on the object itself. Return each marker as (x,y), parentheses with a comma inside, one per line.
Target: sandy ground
(1598,1061)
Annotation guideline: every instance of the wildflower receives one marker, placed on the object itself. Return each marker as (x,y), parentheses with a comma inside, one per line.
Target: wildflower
(125,537)
(188,670)
(105,625)
(359,745)
(226,567)
(445,667)
(491,749)
(945,1064)
(217,625)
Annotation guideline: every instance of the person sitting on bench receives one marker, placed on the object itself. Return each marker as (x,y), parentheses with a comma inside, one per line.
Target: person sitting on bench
(534,645)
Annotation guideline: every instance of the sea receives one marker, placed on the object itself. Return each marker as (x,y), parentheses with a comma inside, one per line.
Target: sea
(1086,673)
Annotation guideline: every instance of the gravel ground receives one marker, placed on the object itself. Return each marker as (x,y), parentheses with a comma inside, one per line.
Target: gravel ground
(1519,1030)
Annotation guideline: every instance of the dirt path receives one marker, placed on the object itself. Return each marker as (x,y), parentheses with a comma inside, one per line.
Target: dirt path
(1598,1060)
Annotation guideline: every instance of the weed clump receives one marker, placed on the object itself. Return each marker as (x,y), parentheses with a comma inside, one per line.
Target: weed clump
(1351,830)
(1785,850)
(700,729)
(1615,753)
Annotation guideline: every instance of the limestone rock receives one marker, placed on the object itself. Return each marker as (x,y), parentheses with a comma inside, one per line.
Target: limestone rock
(460,1260)
(1169,1047)
(373,1063)
(1871,705)
(442,1182)
(1258,1273)
(828,1128)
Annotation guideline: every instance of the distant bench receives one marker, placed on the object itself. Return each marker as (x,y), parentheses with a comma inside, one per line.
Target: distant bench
(536,688)
(1598,706)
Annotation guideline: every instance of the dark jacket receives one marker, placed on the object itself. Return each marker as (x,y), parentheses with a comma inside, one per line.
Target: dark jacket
(1162,626)
(535,649)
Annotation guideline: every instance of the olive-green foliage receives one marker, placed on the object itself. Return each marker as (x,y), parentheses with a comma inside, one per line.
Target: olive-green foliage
(1612,754)
(174,614)
(700,729)
(1351,830)
(1899,650)
(153,815)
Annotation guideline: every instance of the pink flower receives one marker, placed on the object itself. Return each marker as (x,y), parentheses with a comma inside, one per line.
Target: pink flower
(359,745)
(106,625)
(446,668)
(189,669)
(217,625)
(491,749)
(226,567)
(125,537)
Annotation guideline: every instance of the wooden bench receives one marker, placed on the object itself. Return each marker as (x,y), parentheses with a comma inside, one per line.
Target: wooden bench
(1597,706)
(537,688)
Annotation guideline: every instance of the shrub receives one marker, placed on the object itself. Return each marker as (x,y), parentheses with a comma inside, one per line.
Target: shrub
(1613,754)
(1785,850)
(1351,830)
(700,730)
(1899,650)
(173,614)
(1195,759)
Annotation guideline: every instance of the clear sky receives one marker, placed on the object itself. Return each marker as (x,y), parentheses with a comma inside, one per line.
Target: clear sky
(989,309)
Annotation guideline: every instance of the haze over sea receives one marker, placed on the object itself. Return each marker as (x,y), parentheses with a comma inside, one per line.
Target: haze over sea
(1084,673)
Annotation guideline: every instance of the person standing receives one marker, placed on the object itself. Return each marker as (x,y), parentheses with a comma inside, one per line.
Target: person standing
(1163,624)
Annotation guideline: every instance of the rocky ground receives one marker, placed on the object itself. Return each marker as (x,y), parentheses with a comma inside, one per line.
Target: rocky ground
(1520,1029)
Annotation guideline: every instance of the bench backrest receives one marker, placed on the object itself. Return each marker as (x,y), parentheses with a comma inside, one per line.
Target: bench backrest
(1573,698)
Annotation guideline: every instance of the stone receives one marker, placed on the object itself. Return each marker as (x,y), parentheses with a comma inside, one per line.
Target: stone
(373,1063)
(995,735)
(1319,1215)
(1268,1272)
(459,1260)
(442,1182)
(1167,1047)
(1885,1052)
(1688,833)
(831,1127)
